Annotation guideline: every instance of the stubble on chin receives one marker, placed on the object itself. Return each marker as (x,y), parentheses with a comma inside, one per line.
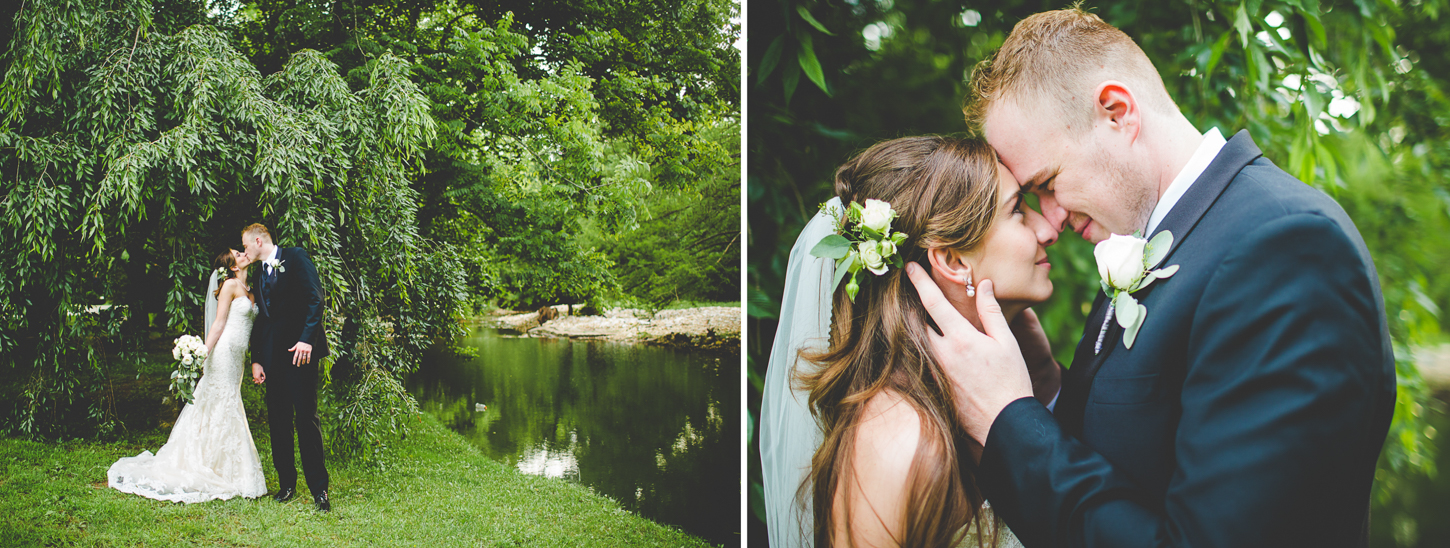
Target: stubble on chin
(1131,193)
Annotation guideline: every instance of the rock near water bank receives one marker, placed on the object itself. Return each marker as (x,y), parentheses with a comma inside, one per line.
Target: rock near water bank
(706,328)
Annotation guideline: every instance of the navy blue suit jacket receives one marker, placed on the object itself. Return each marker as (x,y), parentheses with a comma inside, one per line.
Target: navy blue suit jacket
(1253,404)
(290,311)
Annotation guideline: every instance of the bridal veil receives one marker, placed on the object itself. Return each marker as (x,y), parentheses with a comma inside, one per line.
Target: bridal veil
(789,434)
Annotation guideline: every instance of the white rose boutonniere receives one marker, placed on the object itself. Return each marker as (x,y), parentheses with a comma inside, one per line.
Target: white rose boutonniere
(1125,264)
(276,264)
(864,241)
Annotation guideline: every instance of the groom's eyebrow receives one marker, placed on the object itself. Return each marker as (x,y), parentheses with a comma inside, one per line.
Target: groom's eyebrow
(1039,179)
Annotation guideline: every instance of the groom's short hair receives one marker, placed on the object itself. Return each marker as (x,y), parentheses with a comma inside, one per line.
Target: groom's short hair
(1059,56)
(257,230)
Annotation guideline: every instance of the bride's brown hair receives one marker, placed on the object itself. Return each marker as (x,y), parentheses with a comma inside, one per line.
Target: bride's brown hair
(944,191)
(225,261)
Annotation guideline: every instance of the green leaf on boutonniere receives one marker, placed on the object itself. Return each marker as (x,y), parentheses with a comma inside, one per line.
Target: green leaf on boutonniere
(1126,308)
(1154,275)
(1157,249)
(833,246)
(1130,333)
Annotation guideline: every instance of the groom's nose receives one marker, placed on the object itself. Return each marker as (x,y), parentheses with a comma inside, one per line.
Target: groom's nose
(1055,214)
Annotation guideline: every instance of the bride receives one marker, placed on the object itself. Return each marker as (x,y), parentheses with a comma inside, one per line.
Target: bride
(886,461)
(210,454)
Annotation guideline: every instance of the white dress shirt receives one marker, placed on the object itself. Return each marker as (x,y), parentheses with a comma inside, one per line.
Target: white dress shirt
(1208,149)
(276,252)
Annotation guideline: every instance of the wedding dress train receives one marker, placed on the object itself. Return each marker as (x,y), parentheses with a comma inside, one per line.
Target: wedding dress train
(210,453)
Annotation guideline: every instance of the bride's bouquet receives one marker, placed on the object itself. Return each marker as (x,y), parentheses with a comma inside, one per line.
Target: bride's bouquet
(190,353)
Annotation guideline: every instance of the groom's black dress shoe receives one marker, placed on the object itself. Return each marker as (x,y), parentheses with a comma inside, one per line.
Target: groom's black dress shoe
(285,494)
(322,503)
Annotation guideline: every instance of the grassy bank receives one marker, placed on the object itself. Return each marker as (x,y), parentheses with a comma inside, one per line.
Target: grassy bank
(437,490)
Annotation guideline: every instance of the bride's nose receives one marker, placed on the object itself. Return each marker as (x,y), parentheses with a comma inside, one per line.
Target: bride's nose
(1046,233)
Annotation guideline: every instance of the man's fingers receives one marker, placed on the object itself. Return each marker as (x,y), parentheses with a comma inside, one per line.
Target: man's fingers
(937,306)
(990,312)
(1027,319)
(293,349)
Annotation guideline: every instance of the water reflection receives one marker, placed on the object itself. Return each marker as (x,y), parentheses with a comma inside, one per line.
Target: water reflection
(645,426)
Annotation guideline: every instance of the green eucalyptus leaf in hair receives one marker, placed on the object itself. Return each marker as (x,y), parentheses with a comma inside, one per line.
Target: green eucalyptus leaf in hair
(833,246)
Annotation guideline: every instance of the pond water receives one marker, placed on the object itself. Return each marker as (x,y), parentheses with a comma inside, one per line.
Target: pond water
(656,429)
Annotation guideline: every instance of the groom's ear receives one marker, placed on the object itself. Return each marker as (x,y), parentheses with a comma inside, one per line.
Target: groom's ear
(949,264)
(1117,108)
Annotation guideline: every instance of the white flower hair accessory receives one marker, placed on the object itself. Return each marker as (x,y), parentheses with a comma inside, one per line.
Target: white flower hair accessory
(1125,264)
(863,241)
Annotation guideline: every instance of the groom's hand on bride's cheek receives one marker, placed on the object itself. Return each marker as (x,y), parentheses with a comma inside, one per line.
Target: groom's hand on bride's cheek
(986,369)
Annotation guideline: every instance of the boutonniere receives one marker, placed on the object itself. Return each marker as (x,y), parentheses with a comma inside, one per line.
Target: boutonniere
(1126,266)
(863,242)
(276,264)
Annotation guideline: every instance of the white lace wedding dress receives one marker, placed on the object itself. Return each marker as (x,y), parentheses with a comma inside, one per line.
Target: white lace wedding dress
(210,454)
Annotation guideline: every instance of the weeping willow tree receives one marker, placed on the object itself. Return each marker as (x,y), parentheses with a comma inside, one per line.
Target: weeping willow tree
(132,153)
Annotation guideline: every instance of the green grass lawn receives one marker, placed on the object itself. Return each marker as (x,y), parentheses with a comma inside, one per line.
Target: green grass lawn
(436,490)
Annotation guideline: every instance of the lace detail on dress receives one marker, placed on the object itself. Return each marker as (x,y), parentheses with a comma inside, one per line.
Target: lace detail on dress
(1005,538)
(210,453)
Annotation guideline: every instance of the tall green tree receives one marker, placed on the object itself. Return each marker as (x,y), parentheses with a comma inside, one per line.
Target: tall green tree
(133,154)
(1346,95)
(549,113)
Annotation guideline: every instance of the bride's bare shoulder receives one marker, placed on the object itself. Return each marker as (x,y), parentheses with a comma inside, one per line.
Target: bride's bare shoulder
(887,436)
(886,443)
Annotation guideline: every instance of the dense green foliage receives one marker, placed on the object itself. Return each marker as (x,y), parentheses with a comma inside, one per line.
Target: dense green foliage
(134,152)
(1348,96)
(431,156)
(551,114)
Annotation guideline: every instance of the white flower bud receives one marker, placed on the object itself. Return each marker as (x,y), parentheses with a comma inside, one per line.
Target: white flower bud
(1120,260)
(887,248)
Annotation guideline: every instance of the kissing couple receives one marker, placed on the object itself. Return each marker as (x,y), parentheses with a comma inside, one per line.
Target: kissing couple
(1234,382)
(210,453)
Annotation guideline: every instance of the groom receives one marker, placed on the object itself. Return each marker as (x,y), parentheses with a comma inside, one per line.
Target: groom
(287,344)
(1253,403)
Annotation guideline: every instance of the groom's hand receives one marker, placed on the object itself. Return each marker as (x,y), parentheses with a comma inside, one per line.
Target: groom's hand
(258,376)
(1037,352)
(301,353)
(987,370)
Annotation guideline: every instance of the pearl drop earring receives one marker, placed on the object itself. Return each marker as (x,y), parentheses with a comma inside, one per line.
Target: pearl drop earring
(971,291)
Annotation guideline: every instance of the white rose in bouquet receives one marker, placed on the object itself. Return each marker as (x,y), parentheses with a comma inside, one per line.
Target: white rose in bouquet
(190,353)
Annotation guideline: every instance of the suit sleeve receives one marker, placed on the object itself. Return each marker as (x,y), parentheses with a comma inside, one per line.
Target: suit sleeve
(1280,400)
(312,292)
(255,344)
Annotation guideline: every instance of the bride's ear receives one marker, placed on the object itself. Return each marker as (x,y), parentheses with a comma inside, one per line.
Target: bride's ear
(949,265)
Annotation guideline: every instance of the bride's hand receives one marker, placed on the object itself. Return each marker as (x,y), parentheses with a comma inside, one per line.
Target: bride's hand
(258,376)
(1037,352)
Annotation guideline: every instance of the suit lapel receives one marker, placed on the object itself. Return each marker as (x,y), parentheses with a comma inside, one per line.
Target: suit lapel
(1239,152)
(1076,381)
